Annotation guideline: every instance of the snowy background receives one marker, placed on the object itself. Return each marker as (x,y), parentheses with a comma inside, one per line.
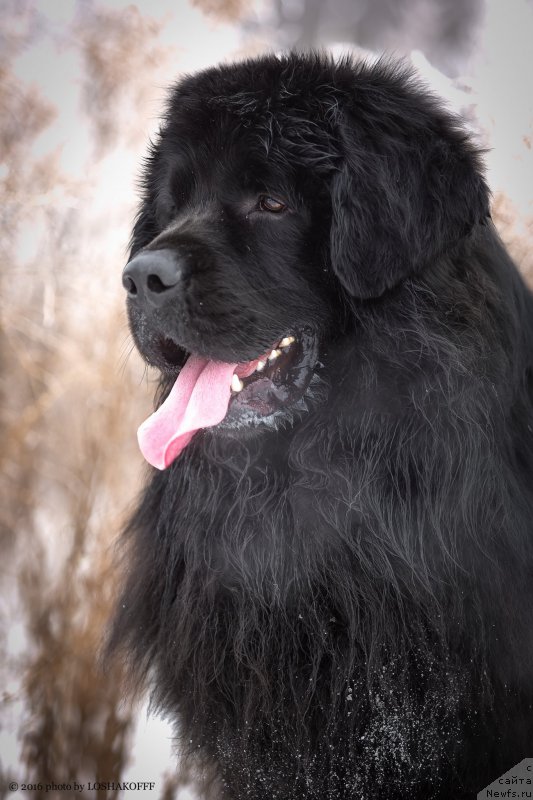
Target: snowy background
(81,89)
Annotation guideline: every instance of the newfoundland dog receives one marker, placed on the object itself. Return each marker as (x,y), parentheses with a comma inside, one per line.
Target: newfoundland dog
(330,583)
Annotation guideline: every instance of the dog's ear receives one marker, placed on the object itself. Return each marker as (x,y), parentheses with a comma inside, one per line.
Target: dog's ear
(408,188)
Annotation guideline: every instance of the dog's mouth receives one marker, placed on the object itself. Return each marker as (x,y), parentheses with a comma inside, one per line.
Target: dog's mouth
(228,396)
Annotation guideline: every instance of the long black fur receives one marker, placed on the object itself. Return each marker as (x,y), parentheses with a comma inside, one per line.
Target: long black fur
(340,606)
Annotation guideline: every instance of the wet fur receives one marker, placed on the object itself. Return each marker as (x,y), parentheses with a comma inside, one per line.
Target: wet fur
(340,606)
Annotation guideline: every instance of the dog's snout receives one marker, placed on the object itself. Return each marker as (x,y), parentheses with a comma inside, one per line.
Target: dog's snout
(153,276)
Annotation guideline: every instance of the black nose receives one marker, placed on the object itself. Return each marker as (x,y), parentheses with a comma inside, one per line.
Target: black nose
(153,275)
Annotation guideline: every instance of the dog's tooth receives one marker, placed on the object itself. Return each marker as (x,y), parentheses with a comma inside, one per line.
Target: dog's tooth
(286,341)
(236,383)
(260,366)
(274,354)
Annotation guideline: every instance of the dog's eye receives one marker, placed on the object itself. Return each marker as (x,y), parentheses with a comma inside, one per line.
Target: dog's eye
(271,204)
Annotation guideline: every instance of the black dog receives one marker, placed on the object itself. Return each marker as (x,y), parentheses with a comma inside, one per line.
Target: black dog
(330,582)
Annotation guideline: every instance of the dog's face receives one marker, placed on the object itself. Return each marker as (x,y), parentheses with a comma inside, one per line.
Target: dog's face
(275,200)
(239,270)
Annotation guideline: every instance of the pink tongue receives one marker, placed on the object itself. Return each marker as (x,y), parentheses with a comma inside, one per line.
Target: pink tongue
(198,399)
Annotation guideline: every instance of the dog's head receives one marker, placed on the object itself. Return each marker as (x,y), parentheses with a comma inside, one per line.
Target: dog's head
(280,192)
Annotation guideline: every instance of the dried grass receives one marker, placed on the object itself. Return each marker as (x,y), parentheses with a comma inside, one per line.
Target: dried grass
(228,10)
(517,234)
(118,48)
(69,466)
